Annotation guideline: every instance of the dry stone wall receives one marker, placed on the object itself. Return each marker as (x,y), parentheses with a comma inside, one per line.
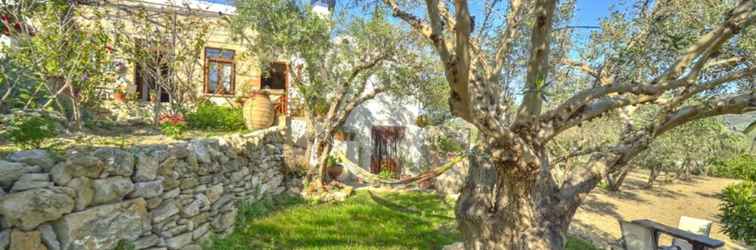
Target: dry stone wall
(152,196)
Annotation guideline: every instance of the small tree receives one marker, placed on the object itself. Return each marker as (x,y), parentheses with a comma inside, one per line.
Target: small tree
(336,65)
(169,55)
(67,58)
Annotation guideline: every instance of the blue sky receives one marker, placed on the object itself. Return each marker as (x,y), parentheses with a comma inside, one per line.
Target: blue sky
(588,11)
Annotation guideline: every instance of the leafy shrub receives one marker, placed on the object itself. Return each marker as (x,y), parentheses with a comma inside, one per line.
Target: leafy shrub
(739,167)
(30,131)
(209,116)
(172,125)
(449,145)
(738,211)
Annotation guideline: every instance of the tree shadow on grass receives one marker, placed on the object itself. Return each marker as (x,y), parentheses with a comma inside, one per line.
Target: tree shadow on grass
(358,223)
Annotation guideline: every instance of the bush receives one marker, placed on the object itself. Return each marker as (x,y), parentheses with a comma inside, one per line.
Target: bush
(30,131)
(213,117)
(172,125)
(739,167)
(738,211)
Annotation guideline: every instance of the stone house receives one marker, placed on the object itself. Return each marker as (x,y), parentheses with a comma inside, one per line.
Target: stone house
(225,69)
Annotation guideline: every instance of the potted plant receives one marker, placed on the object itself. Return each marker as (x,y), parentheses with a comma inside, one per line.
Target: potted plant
(342,134)
(119,95)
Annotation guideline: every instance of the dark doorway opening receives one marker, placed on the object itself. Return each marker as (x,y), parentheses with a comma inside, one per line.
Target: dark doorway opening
(385,156)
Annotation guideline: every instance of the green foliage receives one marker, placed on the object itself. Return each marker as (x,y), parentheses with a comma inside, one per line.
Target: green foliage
(125,245)
(30,131)
(738,212)
(209,116)
(449,145)
(386,174)
(738,167)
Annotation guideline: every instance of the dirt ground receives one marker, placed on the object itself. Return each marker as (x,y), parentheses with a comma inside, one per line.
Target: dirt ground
(596,220)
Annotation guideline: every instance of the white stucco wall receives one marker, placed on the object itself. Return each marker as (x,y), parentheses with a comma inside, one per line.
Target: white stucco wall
(386,110)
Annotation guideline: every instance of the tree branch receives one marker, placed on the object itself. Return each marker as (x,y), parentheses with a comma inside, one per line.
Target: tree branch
(538,65)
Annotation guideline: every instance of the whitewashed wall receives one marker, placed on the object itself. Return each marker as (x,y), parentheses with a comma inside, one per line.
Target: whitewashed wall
(386,110)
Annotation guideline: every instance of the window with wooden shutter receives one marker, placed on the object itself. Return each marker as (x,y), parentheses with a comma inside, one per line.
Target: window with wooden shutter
(220,71)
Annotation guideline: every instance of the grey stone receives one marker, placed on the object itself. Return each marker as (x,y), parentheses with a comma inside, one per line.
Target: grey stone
(192,247)
(29,209)
(35,177)
(147,189)
(200,231)
(111,189)
(171,194)
(4,239)
(146,168)
(102,227)
(11,171)
(166,210)
(214,192)
(117,162)
(146,241)
(34,157)
(192,209)
(86,166)
(222,201)
(21,240)
(85,192)
(199,148)
(59,174)
(179,241)
(188,183)
(154,202)
(26,185)
(49,237)
(224,221)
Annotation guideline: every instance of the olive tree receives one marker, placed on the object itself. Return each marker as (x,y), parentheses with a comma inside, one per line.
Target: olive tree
(512,198)
(336,64)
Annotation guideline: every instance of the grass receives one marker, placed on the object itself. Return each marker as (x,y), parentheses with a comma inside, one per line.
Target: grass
(408,220)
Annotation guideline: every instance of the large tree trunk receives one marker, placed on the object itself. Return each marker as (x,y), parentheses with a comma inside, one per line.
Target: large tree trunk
(652,176)
(504,207)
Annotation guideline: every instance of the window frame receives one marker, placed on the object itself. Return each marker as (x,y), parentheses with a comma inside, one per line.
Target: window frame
(219,61)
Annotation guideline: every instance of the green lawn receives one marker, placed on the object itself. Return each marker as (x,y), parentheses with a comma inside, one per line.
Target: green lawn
(408,220)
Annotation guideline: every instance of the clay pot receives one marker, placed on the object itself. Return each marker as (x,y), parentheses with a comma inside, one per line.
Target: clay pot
(334,171)
(119,97)
(258,111)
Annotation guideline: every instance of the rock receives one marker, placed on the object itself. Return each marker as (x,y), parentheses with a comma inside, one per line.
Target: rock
(188,183)
(86,166)
(26,185)
(154,202)
(35,157)
(224,221)
(214,192)
(222,201)
(4,239)
(179,241)
(171,194)
(117,162)
(49,237)
(192,209)
(200,231)
(102,227)
(20,240)
(146,168)
(199,148)
(29,209)
(59,175)
(111,189)
(147,189)
(192,247)
(85,192)
(167,209)
(146,241)
(11,171)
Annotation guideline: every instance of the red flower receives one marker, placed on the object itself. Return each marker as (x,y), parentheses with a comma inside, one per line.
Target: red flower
(173,120)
